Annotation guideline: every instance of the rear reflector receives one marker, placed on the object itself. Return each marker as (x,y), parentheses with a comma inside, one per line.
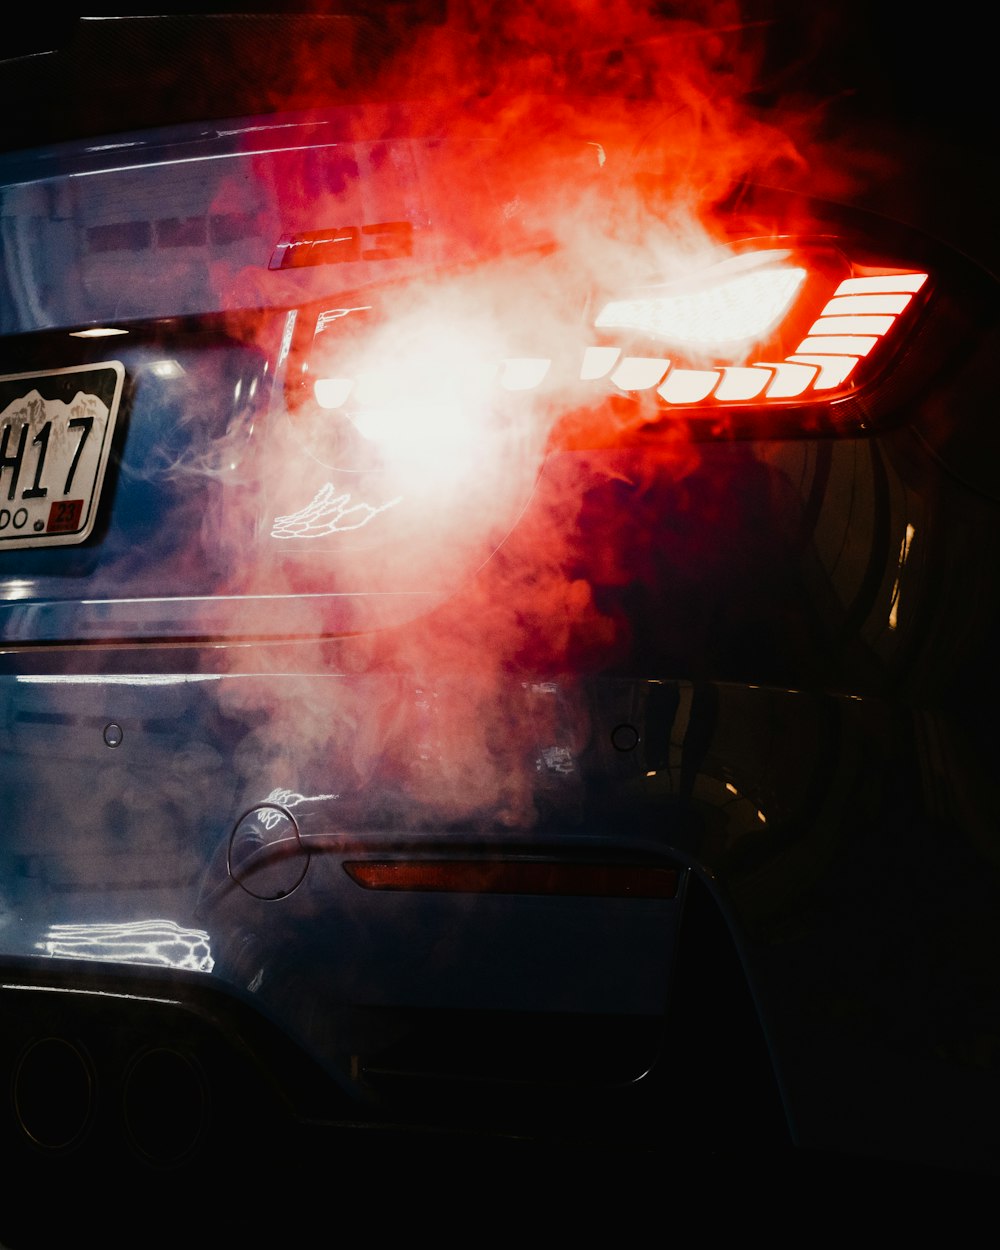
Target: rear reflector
(516,877)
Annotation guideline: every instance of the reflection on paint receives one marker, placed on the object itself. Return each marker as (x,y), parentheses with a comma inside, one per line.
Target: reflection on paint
(328,513)
(287,799)
(160,943)
(17,588)
(166,369)
(904,551)
(113,679)
(557,759)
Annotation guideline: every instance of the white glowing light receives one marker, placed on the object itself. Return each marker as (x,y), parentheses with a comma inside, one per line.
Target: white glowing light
(837,345)
(598,362)
(639,373)
(424,393)
(98,332)
(833,370)
(415,422)
(328,513)
(332,392)
(852,325)
(160,943)
(884,283)
(433,364)
(740,299)
(524,373)
(688,386)
(789,379)
(852,304)
(742,383)
(166,369)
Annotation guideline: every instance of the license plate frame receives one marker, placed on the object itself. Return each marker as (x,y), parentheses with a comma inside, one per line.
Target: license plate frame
(56,431)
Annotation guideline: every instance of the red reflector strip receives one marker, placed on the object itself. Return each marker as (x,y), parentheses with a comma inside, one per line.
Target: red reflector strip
(515,877)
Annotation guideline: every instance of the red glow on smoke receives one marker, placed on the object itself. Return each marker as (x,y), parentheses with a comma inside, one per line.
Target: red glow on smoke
(535,155)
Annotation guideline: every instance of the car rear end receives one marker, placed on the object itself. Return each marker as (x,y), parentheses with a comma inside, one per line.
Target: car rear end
(484,669)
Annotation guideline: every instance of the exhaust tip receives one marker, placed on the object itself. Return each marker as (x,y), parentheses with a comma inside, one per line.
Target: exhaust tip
(53,1092)
(165,1105)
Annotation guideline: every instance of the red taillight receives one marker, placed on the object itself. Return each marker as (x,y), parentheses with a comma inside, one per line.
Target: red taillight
(425,380)
(477,876)
(765,327)
(737,301)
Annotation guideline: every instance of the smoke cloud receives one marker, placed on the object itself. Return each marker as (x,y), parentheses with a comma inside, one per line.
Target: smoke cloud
(531,159)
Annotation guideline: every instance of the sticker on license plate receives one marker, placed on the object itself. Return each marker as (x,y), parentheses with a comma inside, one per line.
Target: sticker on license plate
(56,430)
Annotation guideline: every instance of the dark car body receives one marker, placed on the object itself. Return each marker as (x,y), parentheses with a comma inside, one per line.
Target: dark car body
(608,769)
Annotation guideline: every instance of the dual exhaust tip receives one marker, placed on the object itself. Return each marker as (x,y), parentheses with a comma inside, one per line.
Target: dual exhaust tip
(156,1104)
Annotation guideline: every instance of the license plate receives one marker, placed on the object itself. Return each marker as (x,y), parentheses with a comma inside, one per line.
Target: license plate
(55,436)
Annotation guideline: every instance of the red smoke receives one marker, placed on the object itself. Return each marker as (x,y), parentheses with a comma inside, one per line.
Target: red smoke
(575,146)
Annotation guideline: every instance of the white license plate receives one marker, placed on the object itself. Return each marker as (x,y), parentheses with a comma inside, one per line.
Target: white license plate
(55,436)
